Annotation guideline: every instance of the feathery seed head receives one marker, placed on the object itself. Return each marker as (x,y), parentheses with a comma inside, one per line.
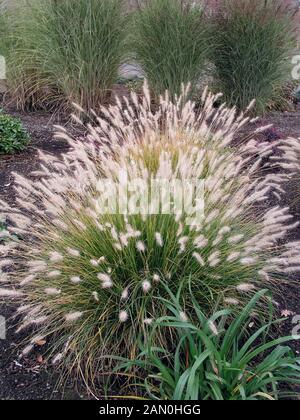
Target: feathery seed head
(107,284)
(158,239)
(123,316)
(56,359)
(5,262)
(104,277)
(52,291)
(245,287)
(95,296)
(27,350)
(75,279)
(140,246)
(55,257)
(183,316)
(10,293)
(146,285)
(231,301)
(73,252)
(73,316)
(125,294)
(54,274)
(156,278)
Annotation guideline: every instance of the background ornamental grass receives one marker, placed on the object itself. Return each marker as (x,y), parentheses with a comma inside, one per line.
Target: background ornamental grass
(254,42)
(171,39)
(91,279)
(59,52)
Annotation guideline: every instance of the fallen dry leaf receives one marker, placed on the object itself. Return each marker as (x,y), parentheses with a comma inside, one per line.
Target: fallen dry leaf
(40,358)
(40,342)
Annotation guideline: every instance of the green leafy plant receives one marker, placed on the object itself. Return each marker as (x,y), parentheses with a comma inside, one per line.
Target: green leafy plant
(170,39)
(91,272)
(216,358)
(59,52)
(13,136)
(254,40)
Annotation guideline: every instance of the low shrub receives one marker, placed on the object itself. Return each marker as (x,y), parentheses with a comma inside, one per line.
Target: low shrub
(171,40)
(252,51)
(59,52)
(214,359)
(94,264)
(13,136)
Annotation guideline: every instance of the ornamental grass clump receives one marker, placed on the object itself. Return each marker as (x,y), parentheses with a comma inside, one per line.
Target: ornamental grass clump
(171,40)
(254,41)
(89,268)
(59,52)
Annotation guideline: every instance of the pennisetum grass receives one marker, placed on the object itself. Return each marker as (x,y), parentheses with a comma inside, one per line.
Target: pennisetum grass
(88,277)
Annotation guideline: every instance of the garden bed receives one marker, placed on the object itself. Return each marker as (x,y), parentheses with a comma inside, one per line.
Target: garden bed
(30,377)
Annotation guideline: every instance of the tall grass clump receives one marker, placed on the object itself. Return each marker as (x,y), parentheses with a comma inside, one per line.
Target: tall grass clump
(254,40)
(170,40)
(89,267)
(63,51)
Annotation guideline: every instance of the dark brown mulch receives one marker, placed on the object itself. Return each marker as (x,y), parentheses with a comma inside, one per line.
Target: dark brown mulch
(40,127)
(30,378)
